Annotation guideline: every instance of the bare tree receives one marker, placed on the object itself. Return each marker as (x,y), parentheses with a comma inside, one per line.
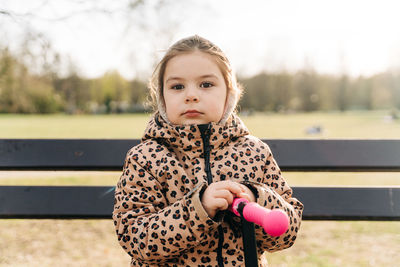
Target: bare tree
(147,26)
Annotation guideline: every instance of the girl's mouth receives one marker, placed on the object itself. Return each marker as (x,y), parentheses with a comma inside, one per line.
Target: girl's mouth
(192,114)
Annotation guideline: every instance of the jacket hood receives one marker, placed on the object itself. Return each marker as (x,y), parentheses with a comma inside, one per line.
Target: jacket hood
(187,138)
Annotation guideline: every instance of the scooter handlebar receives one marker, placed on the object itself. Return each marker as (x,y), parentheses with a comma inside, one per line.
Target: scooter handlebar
(274,222)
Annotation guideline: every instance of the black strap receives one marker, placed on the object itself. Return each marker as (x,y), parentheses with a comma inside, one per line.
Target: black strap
(220,244)
(249,244)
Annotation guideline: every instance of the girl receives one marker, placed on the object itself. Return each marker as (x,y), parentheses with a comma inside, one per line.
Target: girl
(195,156)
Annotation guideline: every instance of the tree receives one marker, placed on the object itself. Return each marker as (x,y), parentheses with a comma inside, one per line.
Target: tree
(307,90)
(342,97)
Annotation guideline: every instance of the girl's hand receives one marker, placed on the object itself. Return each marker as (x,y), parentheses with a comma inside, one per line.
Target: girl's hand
(247,194)
(219,195)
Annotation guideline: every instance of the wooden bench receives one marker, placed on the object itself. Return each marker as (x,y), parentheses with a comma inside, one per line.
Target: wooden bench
(321,203)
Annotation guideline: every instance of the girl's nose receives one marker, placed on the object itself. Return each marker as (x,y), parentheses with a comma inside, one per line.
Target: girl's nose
(191,99)
(191,95)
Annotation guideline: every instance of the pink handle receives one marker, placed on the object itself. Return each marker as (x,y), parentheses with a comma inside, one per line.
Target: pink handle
(235,205)
(275,222)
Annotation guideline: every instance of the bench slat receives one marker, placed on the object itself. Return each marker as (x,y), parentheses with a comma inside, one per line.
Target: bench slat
(292,155)
(84,202)
(63,154)
(56,202)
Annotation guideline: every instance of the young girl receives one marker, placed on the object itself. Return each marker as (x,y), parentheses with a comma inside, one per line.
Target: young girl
(194,158)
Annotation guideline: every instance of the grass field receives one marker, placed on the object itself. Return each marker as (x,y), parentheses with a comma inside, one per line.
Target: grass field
(365,125)
(93,242)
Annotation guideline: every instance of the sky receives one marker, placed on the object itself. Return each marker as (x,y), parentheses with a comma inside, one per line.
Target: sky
(334,37)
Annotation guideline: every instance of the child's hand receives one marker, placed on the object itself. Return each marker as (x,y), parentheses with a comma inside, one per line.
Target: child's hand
(219,195)
(247,194)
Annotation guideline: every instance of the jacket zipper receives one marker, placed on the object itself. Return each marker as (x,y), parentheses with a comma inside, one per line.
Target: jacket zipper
(205,135)
(205,130)
(206,147)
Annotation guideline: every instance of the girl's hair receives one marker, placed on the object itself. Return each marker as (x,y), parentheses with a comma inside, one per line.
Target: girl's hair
(188,45)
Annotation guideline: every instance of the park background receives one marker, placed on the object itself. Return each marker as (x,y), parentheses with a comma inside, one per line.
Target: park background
(311,69)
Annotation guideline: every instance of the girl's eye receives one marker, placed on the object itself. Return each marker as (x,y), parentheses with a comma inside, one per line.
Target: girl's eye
(177,87)
(206,84)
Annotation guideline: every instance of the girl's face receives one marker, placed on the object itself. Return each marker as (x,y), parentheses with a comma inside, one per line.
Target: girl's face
(194,89)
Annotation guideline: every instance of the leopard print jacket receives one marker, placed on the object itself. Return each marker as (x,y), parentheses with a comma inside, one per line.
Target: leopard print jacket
(158,215)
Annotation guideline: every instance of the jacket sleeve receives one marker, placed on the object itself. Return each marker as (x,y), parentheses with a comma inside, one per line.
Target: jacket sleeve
(274,193)
(150,229)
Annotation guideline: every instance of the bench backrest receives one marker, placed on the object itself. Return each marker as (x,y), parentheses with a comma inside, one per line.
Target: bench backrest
(321,203)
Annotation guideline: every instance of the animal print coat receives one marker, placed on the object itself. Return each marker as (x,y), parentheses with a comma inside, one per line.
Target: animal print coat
(158,215)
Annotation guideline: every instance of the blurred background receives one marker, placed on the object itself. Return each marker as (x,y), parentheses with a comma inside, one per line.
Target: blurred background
(292,56)
(311,69)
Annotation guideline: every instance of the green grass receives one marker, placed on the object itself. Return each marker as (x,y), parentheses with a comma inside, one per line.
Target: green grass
(111,178)
(364,125)
(58,178)
(77,126)
(336,125)
(93,242)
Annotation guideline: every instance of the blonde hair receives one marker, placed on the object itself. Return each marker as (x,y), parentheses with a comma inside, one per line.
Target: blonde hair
(188,45)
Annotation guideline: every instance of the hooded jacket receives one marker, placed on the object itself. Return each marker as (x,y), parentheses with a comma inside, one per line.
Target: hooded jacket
(158,214)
